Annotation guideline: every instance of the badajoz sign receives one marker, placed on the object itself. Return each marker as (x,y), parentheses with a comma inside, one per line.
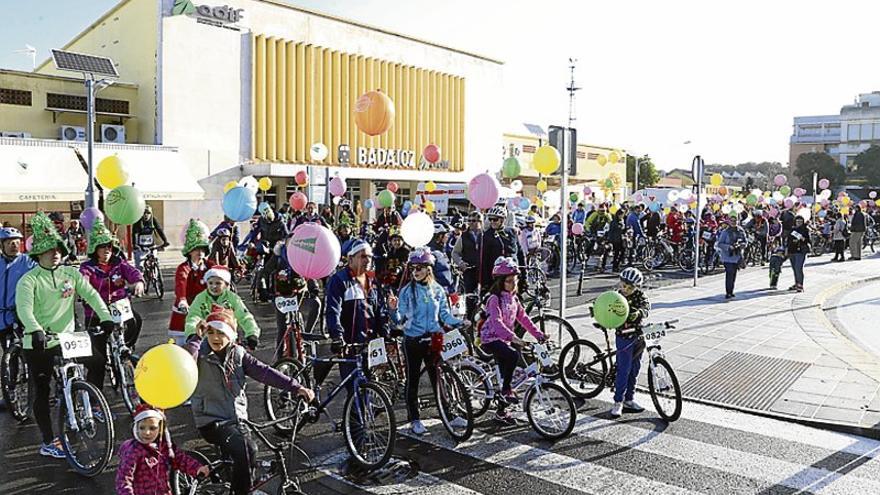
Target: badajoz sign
(223,14)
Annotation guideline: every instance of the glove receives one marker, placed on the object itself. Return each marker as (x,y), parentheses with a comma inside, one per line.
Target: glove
(251,342)
(106,327)
(396,331)
(337,346)
(633,316)
(38,340)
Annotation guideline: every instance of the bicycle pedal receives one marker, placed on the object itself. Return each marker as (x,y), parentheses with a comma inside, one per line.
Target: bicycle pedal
(337,426)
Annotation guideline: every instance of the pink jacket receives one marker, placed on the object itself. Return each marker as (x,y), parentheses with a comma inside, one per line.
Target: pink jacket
(503,311)
(144,470)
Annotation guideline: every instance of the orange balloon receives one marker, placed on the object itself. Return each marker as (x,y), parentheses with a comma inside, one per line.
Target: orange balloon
(722,191)
(374,113)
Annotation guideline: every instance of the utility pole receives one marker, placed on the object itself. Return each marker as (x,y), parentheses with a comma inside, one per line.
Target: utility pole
(563,190)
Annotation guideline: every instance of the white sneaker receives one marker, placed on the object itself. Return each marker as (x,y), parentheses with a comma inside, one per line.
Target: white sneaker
(632,406)
(458,422)
(418,428)
(617,409)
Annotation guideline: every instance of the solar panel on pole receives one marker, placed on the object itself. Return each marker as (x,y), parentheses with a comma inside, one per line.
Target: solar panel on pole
(80,62)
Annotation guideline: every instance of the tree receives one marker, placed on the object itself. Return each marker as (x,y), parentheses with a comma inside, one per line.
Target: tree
(648,175)
(868,165)
(750,184)
(821,164)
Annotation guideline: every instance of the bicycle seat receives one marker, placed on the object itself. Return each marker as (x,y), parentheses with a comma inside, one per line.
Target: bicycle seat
(312,337)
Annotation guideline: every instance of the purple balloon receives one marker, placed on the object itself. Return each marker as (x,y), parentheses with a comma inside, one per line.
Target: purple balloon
(88,218)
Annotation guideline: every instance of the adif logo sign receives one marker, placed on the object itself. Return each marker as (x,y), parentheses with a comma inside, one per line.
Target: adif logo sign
(222,14)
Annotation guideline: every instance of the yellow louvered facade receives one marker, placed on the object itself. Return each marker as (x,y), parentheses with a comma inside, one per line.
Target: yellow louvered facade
(304,94)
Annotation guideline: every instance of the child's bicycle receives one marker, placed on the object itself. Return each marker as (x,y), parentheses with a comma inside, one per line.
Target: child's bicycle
(586,370)
(270,477)
(549,407)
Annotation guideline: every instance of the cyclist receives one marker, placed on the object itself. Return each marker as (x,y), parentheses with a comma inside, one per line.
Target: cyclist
(616,231)
(327,217)
(629,344)
(442,273)
(218,279)
(310,215)
(189,279)
(598,219)
(231,227)
(13,265)
(391,260)
(45,300)
(75,236)
(503,311)
(223,251)
(498,242)
(113,278)
(220,397)
(387,219)
(579,215)
(529,239)
(272,230)
(343,232)
(422,308)
(466,253)
(346,216)
(144,233)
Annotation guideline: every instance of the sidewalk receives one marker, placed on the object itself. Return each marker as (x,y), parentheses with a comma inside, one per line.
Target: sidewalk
(770,352)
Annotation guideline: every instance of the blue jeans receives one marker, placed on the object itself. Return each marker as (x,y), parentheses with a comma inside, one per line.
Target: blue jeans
(730,276)
(797,266)
(629,362)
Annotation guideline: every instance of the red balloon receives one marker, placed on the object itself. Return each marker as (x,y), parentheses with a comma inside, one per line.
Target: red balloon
(302,178)
(393,187)
(431,153)
(298,201)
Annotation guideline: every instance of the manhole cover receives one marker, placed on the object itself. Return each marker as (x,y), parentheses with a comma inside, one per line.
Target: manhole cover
(745,380)
(396,470)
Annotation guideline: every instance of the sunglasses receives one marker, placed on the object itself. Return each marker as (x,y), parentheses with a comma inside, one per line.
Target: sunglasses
(418,268)
(494,219)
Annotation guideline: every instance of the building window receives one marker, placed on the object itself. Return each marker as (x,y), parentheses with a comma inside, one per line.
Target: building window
(15,97)
(73,102)
(866,132)
(852,132)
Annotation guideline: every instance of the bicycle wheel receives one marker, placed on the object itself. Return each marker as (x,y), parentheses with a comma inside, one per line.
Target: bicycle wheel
(557,332)
(453,404)
(16,384)
(369,426)
(583,369)
(664,388)
(184,484)
(550,410)
(279,403)
(478,387)
(88,443)
(388,378)
(125,381)
(159,284)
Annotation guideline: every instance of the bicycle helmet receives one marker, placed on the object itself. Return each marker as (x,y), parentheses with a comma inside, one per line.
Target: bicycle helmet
(421,256)
(632,276)
(497,212)
(223,233)
(505,266)
(530,220)
(344,203)
(440,228)
(475,215)
(10,233)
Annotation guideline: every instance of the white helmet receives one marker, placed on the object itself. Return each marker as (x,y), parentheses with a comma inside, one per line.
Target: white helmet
(632,276)
(497,211)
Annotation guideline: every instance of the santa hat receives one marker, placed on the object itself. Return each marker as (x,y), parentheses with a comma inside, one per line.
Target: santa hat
(219,271)
(224,320)
(146,411)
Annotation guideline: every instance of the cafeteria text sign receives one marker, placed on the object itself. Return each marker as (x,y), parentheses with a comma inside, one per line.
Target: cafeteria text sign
(395,158)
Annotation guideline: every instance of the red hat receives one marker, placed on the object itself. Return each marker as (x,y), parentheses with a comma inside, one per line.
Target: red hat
(223,319)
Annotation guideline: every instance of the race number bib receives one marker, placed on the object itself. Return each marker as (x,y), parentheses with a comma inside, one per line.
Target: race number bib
(797,235)
(453,345)
(707,236)
(376,353)
(287,304)
(543,355)
(655,335)
(121,311)
(145,240)
(75,345)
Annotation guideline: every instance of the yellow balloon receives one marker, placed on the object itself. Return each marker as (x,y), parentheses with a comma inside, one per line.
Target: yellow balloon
(716,207)
(430,186)
(877,202)
(846,200)
(716,180)
(110,172)
(602,160)
(541,185)
(692,205)
(229,185)
(166,376)
(429,206)
(613,209)
(546,160)
(666,210)
(540,202)
(265,184)
(613,157)
(844,210)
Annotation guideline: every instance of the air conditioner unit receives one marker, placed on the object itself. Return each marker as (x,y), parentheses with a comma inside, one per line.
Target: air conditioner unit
(15,134)
(73,133)
(112,133)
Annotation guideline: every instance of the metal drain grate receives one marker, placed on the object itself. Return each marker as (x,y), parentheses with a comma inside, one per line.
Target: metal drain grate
(745,380)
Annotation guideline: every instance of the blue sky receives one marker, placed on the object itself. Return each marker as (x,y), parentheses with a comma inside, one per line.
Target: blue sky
(726,76)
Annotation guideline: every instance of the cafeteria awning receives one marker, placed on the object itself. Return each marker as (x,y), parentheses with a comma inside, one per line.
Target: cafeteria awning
(31,173)
(158,172)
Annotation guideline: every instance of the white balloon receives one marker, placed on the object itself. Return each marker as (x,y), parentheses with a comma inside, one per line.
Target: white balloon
(725,209)
(318,152)
(684,194)
(825,194)
(672,196)
(417,229)
(682,208)
(516,185)
(249,182)
(336,200)
(738,208)
(778,196)
(804,213)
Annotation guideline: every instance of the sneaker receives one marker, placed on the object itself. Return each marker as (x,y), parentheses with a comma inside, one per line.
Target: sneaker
(632,406)
(793,287)
(53,449)
(510,396)
(505,417)
(418,428)
(800,288)
(458,422)
(773,287)
(617,410)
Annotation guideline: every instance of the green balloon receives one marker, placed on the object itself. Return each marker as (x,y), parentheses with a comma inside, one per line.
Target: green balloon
(785,190)
(611,309)
(386,199)
(573,197)
(511,168)
(124,205)
(752,199)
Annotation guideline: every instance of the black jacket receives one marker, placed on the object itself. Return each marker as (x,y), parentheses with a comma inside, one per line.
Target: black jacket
(857,224)
(496,243)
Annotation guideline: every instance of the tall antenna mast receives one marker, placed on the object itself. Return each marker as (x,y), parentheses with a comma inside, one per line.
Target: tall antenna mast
(571,90)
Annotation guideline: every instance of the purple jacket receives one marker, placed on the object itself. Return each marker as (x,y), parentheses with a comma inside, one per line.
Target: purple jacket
(502,312)
(144,469)
(110,284)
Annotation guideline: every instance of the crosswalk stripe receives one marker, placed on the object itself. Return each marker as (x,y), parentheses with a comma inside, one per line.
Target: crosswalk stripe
(545,465)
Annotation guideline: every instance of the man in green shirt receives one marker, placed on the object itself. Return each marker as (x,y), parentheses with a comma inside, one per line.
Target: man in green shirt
(45,300)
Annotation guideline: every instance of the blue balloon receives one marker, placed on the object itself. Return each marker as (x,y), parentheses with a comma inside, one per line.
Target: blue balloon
(368,203)
(407,204)
(524,203)
(239,203)
(655,207)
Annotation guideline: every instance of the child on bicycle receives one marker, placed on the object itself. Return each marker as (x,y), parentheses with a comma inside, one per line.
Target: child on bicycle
(218,279)
(146,461)
(503,312)
(629,344)
(776,260)
(189,279)
(220,398)
(422,307)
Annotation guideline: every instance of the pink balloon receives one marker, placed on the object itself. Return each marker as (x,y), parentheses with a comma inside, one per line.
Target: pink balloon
(29,243)
(799,191)
(824,183)
(302,178)
(298,201)
(780,180)
(773,212)
(483,191)
(588,190)
(824,202)
(577,229)
(788,203)
(313,251)
(337,186)
(431,153)
(392,186)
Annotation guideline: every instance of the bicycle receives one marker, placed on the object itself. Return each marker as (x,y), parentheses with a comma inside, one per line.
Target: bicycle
(548,406)
(586,370)
(16,378)
(153,280)
(273,477)
(84,414)
(121,363)
(366,404)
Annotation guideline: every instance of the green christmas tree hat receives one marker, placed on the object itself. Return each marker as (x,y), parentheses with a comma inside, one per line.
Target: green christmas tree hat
(195,237)
(45,235)
(99,236)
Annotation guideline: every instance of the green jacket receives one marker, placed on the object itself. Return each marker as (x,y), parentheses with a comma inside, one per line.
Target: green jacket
(201,308)
(45,301)
(597,221)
